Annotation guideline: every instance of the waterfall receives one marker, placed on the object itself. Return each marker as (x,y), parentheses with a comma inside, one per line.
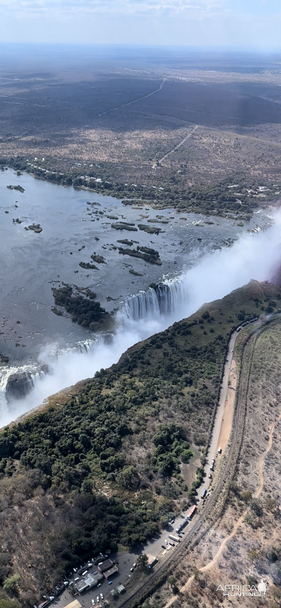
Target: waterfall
(159,299)
(17,382)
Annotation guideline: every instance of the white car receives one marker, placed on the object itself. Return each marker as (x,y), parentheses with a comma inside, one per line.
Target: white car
(101,596)
(98,599)
(93,602)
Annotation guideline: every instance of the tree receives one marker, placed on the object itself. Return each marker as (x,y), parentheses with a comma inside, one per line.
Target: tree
(173,582)
(142,561)
(246,496)
(8,604)
(11,584)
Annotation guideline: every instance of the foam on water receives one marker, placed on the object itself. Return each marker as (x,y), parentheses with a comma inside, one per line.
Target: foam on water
(253,256)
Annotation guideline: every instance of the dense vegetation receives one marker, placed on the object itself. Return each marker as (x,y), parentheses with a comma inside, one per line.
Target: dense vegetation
(83,309)
(219,198)
(100,466)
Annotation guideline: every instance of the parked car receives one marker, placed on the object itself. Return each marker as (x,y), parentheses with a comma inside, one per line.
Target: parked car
(132,569)
(101,596)
(163,546)
(93,602)
(171,543)
(98,599)
(99,585)
(110,582)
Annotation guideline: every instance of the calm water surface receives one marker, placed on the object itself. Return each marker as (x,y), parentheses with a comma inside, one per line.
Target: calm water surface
(31,264)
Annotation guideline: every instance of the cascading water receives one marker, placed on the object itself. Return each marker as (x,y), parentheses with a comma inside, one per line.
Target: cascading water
(161,299)
(150,312)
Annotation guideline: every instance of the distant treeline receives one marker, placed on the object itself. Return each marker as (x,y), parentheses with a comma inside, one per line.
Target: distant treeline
(212,198)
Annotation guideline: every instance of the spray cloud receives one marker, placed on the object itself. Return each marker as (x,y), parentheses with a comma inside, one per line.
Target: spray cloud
(253,256)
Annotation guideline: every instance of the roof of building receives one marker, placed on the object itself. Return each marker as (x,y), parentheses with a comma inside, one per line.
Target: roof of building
(105,565)
(151,560)
(87,582)
(74,604)
(113,592)
(111,571)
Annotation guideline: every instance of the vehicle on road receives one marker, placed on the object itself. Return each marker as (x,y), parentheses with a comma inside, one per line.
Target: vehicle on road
(110,582)
(219,450)
(98,599)
(171,543)
(211,467)
(101,596)
(210,476)
(163,546)
(99,585)
(203,495)
(132,569)
(93,602)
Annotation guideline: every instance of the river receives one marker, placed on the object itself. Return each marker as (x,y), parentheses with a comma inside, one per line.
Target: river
(75,224)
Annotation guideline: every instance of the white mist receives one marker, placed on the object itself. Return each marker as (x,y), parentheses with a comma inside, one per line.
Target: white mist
(253,256)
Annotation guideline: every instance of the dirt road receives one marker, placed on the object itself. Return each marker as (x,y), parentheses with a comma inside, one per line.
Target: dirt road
(214,445)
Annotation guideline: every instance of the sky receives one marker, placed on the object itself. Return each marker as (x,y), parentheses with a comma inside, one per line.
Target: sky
(238,24)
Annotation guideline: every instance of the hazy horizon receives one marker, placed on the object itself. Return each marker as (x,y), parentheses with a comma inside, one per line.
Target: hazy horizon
(205,23)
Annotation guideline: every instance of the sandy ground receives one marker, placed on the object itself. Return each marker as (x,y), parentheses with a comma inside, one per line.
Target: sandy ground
(228,408)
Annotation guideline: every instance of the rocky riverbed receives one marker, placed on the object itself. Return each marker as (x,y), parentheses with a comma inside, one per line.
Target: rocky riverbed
(51,235)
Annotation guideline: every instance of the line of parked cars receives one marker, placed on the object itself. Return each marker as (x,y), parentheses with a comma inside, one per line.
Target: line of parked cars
(99,597)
